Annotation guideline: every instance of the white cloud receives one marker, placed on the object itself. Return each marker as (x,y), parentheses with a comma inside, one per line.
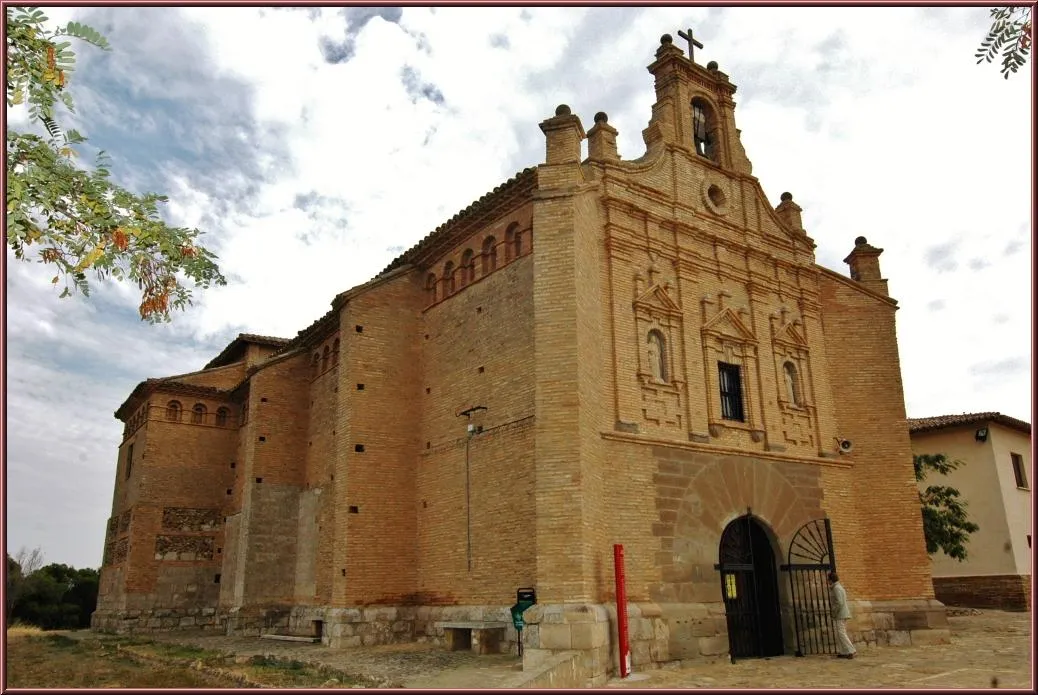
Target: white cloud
(309,177)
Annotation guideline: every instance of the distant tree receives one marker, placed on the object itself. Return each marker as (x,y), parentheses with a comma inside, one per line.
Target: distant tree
(1010,35)
(57,596)
(12,580)
(24,563)
(81,221)
(946,524)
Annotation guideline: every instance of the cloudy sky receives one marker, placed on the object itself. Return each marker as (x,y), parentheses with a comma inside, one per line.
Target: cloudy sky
(313,145)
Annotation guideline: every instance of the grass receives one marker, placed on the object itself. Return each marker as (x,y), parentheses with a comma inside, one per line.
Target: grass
(22,630)
(37,659)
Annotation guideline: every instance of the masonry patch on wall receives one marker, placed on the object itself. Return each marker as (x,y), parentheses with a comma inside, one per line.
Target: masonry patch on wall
(184,548)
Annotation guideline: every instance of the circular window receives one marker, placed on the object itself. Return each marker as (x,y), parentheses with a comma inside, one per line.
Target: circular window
(715,197)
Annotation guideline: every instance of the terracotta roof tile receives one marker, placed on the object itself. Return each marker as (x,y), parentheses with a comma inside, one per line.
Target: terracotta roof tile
(925,424)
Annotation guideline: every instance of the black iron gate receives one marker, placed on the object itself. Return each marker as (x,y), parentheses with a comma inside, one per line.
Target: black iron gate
(750,591)
(811,559)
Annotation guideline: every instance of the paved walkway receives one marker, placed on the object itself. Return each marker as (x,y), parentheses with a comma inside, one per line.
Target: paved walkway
(991,645)
(994,644)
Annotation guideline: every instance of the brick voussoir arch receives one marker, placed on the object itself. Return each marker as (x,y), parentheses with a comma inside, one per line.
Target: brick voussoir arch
(720,492)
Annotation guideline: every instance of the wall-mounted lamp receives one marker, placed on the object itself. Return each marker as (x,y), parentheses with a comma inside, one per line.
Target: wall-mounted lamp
(981,434)
(473,430)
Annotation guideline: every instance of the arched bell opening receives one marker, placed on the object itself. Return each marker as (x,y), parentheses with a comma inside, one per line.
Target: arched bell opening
(705,130)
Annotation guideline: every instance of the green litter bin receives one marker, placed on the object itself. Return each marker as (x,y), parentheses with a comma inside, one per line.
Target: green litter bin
(524,598)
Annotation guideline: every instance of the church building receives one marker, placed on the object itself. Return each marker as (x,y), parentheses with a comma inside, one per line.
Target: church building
(599,351)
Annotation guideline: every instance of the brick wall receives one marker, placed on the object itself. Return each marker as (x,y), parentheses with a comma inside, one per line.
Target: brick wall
(880,534)
(1005,592)
(317,510)
(271,480)
(560,503)
(374,488)
(225,377)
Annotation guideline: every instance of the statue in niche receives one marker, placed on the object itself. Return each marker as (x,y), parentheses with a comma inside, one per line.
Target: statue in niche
(657,357)
(792,390)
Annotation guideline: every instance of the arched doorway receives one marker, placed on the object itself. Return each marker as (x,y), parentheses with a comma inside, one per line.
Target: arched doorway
(749,585)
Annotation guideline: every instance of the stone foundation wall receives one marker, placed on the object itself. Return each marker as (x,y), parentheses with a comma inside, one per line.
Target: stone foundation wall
(584,634)
(1011,592)
(368,626)
(158,620)
(898,623)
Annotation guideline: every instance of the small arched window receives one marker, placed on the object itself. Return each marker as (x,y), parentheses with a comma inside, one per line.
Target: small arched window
(335,352)
(510,241)
(173,409)
(704,129)
(315,365)
(448,278)
(657,349)
(221,417)
(789,370)
(430,288)
(324,358)
(489,255)
(198,414)
(468,267)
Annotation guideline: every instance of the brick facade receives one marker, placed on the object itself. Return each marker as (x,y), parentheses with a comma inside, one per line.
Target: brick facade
(574,319)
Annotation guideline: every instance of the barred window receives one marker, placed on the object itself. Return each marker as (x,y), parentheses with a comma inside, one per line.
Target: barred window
(731,391)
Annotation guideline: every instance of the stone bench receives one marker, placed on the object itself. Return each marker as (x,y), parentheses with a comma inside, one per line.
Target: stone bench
(290,638)
(480,636)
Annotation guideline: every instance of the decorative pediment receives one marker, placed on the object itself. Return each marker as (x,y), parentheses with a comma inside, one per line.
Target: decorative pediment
(727,324)
(657,300)
(791,334)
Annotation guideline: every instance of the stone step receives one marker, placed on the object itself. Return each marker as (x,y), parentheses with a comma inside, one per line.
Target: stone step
(291,638)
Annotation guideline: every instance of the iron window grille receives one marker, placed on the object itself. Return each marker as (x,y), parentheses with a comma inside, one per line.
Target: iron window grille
(731,391)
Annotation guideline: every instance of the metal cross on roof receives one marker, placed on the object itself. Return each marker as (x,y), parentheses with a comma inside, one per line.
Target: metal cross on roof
(692,42)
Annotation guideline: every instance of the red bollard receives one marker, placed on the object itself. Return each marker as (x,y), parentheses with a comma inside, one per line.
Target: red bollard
(621,611)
